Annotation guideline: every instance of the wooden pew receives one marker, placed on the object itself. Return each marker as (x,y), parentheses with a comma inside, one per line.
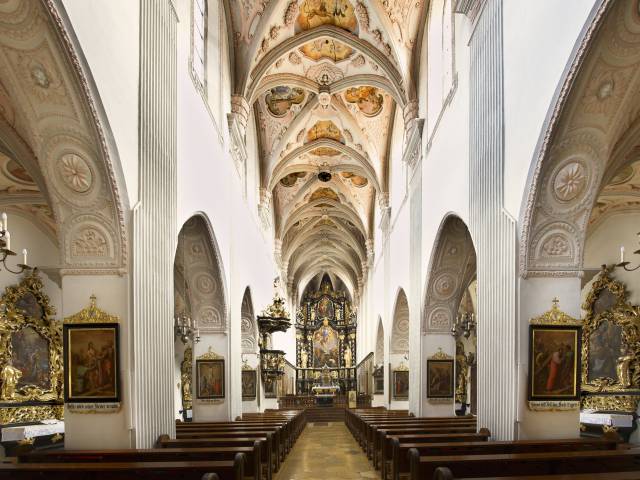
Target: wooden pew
(518,464)
(400,463)
(378,435)
(271,436)
(397,459)
(183,470)
(266,455)
(252,460)
(445,474)
(242,431)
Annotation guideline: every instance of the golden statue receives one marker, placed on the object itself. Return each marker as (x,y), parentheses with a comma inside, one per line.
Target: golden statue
(462,367)
(622,368)
(10,377)
(186,372)
(347,356)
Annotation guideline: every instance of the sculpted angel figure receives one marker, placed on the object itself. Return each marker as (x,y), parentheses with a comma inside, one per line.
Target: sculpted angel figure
(622,368)
(10,376)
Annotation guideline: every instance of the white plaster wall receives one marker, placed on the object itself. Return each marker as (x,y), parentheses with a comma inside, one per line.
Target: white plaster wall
(111,47)
(538,40)
(43,253)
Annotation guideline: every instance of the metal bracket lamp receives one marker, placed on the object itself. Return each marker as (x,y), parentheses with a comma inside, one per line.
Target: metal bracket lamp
(186,329)
(624,264)
(5,249)
(464,324)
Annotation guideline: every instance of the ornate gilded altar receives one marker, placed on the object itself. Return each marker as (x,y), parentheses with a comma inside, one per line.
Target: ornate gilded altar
(610,348)
(325,339)
(30,355)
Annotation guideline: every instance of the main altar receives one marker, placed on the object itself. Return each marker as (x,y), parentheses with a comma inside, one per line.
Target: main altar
(325,344)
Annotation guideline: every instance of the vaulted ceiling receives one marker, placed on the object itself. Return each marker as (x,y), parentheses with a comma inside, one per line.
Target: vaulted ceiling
(325,79)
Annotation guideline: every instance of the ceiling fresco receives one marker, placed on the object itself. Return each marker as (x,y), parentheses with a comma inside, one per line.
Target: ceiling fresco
(327,81)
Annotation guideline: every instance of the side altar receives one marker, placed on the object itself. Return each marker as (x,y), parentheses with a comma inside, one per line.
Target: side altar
(325,343)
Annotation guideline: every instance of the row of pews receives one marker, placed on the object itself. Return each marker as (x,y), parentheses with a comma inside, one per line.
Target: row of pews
(452,448)
(250,447)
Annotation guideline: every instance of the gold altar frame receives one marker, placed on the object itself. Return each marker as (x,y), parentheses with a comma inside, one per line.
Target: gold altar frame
(16,319)
(621,314)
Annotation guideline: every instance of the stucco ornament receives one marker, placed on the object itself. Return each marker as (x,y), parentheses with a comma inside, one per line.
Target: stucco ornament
(76,173)
(570,181)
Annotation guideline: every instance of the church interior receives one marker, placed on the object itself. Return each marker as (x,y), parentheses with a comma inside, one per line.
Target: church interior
(319,239)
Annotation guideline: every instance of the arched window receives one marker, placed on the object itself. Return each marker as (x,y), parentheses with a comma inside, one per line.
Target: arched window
(199,41)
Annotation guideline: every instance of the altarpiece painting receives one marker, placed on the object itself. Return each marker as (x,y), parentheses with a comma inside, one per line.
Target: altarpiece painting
(31,363)
(610,348)
(325,338)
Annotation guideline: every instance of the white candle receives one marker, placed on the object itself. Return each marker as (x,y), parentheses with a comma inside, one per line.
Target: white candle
(621,253)
(7,238)
(24,256)
(4,221)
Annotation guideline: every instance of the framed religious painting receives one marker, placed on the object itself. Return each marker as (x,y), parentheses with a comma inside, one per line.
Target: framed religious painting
(210,376)
(554,357)
(378,380)
(91,362)
(401,384)
(249,384)
(554,360)
(440,376)
(270,388)
(91,351)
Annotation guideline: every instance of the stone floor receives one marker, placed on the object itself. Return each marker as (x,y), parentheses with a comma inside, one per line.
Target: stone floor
(326,452)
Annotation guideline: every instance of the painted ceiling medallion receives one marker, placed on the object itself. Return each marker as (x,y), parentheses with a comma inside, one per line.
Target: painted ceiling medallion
(368,99)
(39,76)
(325,129)
(291,179)
(356,180)
(324,193)
(569,182)
(314,13)
(17,173)
(279,100)
(325,152)
(75,173)
(326,48)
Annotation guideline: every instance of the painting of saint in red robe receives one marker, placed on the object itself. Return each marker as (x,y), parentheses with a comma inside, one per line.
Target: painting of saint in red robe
(554,363)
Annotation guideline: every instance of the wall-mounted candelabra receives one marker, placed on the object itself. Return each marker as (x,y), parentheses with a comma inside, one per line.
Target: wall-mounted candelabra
(625,264)
(5,248)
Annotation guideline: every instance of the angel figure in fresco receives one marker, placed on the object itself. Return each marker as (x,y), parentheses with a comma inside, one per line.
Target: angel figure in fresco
(10,377)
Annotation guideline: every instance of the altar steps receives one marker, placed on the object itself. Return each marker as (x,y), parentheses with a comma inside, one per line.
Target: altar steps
(325,414)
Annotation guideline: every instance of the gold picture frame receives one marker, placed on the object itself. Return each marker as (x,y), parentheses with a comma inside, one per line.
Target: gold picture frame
(610,339)
(92,356)
(30,345)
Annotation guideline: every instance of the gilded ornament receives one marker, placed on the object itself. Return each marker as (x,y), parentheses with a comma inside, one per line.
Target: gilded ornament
(57,438)
(210,355)
(92,314)
(440,355)
(186,377)
(27,313)
(611,403)
(555,316)
(26,414)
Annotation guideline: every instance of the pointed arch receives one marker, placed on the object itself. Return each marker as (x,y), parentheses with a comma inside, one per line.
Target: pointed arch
(400,326)
(379,351)
(451,268)
(248,326)
(198,258)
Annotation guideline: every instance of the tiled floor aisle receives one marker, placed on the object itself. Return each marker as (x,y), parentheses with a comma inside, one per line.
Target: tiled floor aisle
(326,453)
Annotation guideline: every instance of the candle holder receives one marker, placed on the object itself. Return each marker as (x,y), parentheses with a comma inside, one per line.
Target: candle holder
(625,264)
(6,252)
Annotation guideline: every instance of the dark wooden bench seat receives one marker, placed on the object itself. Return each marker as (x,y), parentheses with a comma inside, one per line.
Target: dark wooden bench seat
(266,455)
(518,464)
(252,461)
(399,463)
(379,436)
(183,470)
(421,442)
(445,474)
